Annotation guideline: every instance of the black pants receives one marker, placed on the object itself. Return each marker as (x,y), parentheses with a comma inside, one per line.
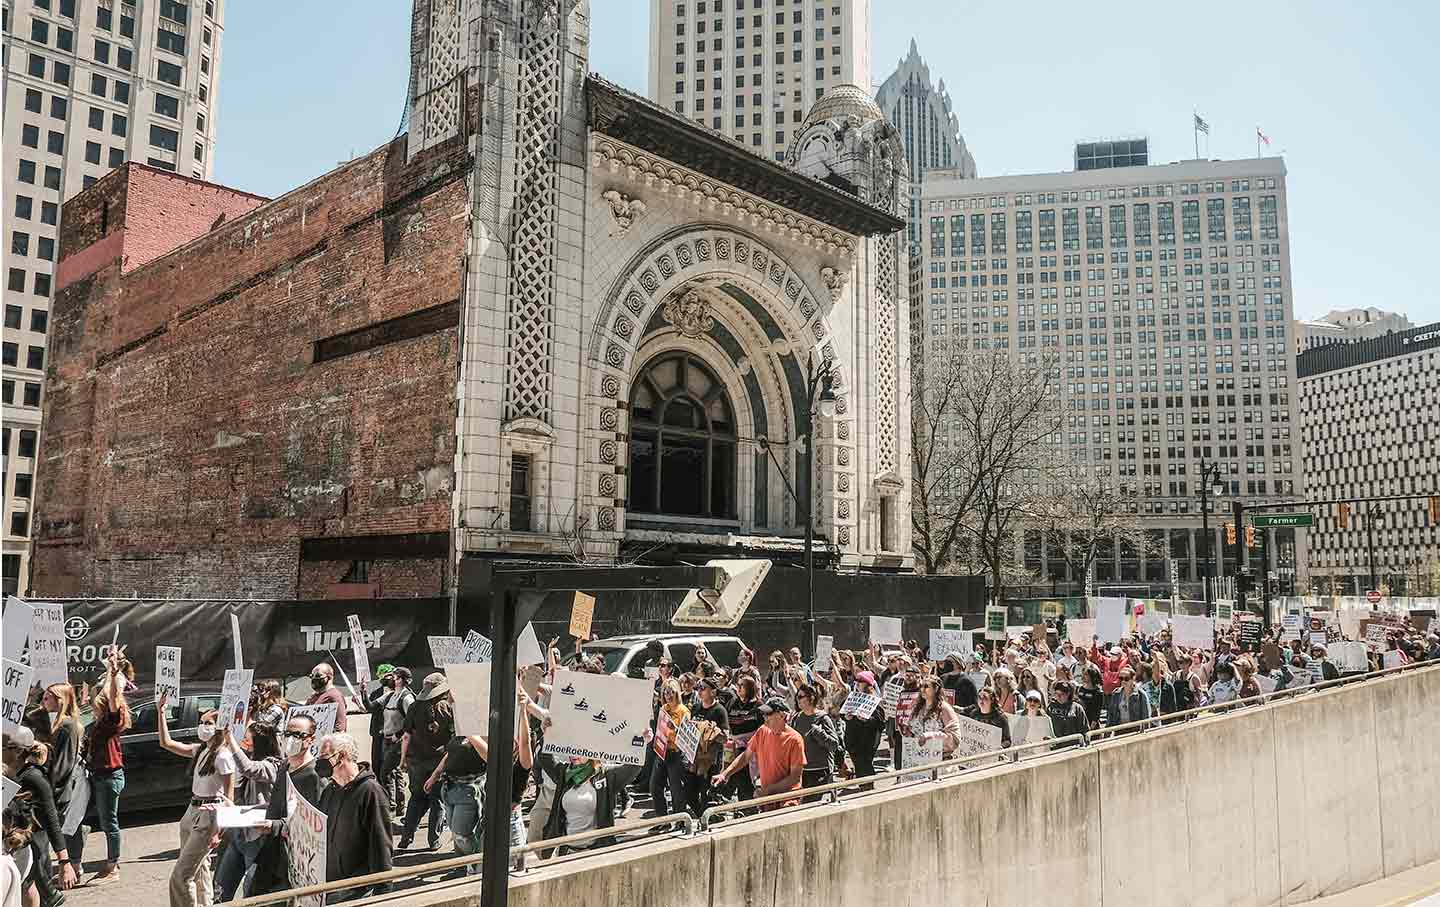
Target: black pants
(697,793)
(814,777)
(668,775)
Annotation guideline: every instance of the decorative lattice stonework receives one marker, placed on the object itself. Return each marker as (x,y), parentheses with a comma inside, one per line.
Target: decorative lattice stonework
(886,400)
(437,80)
(530,317)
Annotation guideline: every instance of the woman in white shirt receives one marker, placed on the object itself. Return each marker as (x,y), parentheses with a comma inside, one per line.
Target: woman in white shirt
(212,784)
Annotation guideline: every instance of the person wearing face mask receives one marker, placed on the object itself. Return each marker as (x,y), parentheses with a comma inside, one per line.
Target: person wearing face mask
(258,764)
(388,707)
(429,725)
(212,784)
(272,863)
(357,827)
(322,681)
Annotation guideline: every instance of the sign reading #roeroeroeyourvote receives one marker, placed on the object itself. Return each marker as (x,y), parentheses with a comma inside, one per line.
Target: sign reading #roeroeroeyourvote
(599,716)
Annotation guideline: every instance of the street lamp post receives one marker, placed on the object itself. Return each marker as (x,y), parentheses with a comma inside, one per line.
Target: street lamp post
(819,400)
(1207,475)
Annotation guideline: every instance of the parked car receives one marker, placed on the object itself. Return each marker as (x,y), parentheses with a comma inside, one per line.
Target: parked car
(631,656)
(153,777)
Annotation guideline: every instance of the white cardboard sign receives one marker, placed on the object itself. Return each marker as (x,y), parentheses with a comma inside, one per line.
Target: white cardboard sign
(235,646)
(1080,631)
(357,648)
(951,642)
(1193,632)
(599,716)
(324,717)
(1110,620)
(17,693)
(305,842)
(861,705)
(167,672)
(47,644)
(528,651)
(977,737)
(16,627)
(470,685)
(915,752)
(476,648)
(234,710)
(824,646)
(446,650)
(886,630)
(687,739)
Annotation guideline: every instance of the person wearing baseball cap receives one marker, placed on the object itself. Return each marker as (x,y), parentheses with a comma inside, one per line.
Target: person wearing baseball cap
(777,749)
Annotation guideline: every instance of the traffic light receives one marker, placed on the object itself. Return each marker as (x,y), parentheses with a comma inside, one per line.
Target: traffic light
(1342,517)
(1244,581)
(1229,533)
(1435,510)
(1249,536)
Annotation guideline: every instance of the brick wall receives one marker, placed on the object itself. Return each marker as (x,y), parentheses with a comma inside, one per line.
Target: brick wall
(396,578)
(191,442)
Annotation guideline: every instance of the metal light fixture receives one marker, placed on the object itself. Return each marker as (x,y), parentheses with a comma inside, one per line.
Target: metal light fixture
(827,396)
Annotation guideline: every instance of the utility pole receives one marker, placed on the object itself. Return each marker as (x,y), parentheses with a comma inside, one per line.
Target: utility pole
(1238,511)
(1370,541)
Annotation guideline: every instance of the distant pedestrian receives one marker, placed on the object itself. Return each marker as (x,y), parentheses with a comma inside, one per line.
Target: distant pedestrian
(322,681)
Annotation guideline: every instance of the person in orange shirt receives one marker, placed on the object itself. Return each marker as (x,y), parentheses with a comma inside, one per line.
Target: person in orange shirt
(777,749)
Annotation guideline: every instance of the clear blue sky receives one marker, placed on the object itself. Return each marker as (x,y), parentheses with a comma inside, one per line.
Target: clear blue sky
(1346,91)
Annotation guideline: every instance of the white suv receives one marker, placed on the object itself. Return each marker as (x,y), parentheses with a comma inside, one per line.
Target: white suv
(631,656)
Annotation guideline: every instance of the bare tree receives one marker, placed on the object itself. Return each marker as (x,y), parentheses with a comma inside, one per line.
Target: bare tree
(985,436)
(1089,511)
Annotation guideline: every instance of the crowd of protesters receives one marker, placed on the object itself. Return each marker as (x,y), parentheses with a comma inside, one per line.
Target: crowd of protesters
(765,728)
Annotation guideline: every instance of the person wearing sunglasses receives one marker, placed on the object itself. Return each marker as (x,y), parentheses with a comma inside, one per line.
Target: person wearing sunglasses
(212,784)
(272,864)
(357,819)
(257,764)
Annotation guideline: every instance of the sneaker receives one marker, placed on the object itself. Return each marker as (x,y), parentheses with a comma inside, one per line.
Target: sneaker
(405,842)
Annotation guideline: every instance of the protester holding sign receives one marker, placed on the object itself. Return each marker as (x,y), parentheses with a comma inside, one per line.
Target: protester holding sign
(322,681)
(986,711)
(521,762)
(668,775)
(389,705)
(357,820)
(862,732)
(272,863)
(106,765)
(212,783)
(258,764)
(934,718)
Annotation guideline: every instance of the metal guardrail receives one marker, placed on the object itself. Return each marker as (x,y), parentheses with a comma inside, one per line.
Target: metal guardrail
(829,793)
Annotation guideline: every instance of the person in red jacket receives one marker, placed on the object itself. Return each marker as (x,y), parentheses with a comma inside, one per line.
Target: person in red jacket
(1111,661)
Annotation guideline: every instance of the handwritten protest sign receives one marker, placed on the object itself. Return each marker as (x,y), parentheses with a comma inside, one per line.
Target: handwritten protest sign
(47,644)
(1349,657)
(323,715)
(663,727)
(235,701)
(305,843)
(582,614)
(1192,632)
(893,688)
(977,737)
(1250,630)
(918,751)
(1290,627)
(600,716)
(950,642)
(357,648)
(824,646)
(446,650)
(687,739)
(1110,619)
(861,705)
(476,648)
(1025,729)
(904,709)
(167,672)
(886,630)
(1080,631)
(15,627)
(1375,635)
(17,693)
(995,622)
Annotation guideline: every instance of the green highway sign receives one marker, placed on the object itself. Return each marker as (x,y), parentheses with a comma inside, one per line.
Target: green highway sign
(1279,520)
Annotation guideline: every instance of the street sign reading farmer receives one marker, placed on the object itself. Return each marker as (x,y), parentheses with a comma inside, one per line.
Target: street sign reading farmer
(1282,520)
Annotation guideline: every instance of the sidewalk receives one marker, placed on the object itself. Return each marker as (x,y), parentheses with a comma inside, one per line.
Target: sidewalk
(1418,887)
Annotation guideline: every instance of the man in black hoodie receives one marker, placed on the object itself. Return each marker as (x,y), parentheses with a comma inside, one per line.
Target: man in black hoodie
(357,818)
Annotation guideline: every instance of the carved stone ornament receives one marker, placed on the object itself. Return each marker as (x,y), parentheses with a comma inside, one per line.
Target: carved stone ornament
(624,208)
(834,281)
(690,314)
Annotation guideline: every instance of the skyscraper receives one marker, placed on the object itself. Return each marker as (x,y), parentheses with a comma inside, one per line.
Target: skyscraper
(1162,292)
(87,86)
(752,68)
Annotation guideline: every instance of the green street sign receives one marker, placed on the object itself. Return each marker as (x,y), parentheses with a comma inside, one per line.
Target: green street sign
(1279,520)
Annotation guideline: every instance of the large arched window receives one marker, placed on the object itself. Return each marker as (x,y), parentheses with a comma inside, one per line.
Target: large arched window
(682,440)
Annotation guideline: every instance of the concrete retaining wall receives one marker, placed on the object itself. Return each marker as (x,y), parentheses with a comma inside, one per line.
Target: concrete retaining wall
(1272,805)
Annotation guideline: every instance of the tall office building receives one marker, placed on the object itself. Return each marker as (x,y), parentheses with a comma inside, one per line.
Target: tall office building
(1163,294)
(751,68)
(1368,429)
(929,130)
(87,85)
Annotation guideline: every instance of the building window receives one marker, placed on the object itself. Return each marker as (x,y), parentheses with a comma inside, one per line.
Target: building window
(169,40)
(31,395)
(55,142)
(167,72)
(119,124)
(97,85)
(16,284)
(97,118)
(35,358)
(19,243)
(30,136)
(167,105)
(683,440)
(14,315)
(10,354)
(102,51)
(61,74)
(36,65)
(122,91)
(27,443)
(117,157)
(160,137)
(92,153)
(27,171)
(175,10)
(23,206)
(59,107)
(520,493)
(125,58)
(45,247)
(20,523)
(52,177)
(42,288)
(34,101)
(103,19)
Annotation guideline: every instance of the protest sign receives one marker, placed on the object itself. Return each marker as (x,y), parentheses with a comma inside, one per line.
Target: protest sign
(824,646)
(47,644)
(1349,657)
(1110,620)
(1025,729)
(1080,631)
(11,789)
(357,648)
(582,614)
(977,737)
(1375,635)
(1290,627)
(950,642)
(1266,684)
(17,693)
(167,672)
(1151,622)
(15,627)
(663,727)
(917,751)
(1015,631)
(1224,612)
(323,715)
(1192,632)
(687,740)
(904,709)
(891,693)
(305,843)
(235,701)
(476,648)
(861,705)
(528,651)
(1250,631)
(241,816)
(1393,659)
(886,630)
(994,621)
(470,685)
(446,650)
(235,647)
(600,716)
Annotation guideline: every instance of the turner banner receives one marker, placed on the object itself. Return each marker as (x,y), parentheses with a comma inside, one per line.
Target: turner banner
(281,638)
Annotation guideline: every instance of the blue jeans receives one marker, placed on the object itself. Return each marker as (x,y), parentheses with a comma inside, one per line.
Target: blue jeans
(462,813)
(420,803)
(105,798)
(234,865)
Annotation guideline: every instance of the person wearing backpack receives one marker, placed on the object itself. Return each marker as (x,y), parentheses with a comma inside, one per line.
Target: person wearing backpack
(820,735)
(388,708)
